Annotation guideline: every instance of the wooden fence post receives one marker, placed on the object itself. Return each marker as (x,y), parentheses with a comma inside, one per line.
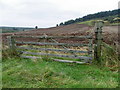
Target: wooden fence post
(45,46)
(90,47)
(11,42)
(98,41)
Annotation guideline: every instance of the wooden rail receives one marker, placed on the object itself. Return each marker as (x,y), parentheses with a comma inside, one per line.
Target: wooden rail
(58,60)
(56,55)
(58,50)
(54,37)
(59,44)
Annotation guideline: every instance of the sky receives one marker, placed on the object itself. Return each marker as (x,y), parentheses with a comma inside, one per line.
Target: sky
(48,13)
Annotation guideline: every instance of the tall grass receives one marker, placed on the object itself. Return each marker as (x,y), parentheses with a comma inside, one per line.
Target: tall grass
(9,53)
(109,57)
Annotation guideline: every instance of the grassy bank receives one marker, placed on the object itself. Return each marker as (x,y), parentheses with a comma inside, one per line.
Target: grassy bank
(27,73)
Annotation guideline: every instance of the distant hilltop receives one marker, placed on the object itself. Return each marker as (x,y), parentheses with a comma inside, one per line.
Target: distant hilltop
(107,16)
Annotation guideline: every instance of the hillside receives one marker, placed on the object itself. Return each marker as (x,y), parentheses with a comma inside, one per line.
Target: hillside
(61,30)
(110,33)
(109,16)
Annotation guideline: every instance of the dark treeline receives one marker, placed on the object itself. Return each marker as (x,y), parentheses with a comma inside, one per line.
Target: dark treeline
(99,15)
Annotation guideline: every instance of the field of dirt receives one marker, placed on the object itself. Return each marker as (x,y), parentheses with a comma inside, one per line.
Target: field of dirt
(110,33)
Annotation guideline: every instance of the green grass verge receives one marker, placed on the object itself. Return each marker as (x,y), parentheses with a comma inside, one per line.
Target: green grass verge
(90,22)
(26,73)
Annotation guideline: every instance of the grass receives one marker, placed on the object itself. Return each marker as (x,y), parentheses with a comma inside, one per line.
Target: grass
(90,22)
(28,73)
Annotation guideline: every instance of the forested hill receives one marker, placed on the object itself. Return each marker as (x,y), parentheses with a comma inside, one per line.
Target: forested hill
(106,15)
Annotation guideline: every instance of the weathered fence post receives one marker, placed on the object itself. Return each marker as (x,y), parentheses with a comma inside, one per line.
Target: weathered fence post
(45,46)
(98,41)
(11,42)
(90,46)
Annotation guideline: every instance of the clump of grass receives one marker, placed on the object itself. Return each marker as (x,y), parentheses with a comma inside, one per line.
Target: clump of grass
(46,58)
(9,53)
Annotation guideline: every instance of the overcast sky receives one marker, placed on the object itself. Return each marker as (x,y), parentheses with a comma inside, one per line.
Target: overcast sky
(48,13)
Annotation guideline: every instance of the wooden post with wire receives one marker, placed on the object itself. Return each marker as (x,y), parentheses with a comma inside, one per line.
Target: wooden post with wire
(98,41)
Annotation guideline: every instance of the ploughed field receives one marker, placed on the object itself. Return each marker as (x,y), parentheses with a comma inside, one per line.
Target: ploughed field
(110,33)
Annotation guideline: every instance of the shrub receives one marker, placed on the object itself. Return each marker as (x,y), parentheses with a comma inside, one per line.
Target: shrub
(109,56)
